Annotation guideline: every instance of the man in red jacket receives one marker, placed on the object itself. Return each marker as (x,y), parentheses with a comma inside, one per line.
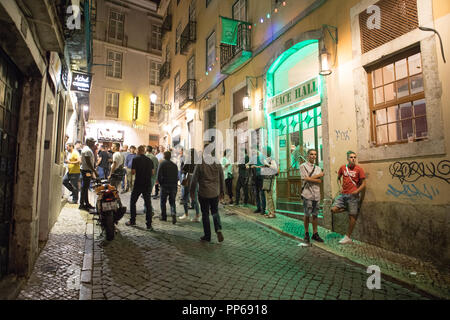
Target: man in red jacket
(353,182)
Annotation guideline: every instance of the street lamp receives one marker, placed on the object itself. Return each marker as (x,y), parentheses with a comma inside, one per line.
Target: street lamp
(154,96)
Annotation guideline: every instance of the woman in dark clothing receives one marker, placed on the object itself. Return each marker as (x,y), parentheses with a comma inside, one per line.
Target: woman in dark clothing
(187,170)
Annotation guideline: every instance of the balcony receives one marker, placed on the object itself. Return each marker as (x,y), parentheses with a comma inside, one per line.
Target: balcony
(164,72)
(166,25)
(186,94)
(232,57)
(188,36)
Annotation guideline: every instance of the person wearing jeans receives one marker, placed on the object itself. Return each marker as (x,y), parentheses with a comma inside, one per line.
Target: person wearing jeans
(142,168)
(72,176)
(168,180)
(87,172)
(186,172)
(211,185)
(256,162)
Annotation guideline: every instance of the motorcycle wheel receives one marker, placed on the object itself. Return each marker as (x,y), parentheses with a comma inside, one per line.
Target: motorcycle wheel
(109,226)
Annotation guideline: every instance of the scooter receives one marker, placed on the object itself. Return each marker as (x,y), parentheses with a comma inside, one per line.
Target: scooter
(108,207)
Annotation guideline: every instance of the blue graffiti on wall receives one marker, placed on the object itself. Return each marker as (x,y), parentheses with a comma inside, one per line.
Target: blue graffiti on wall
(412,192)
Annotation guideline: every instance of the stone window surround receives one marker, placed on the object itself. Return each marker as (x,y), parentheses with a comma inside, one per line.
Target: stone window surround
(435,144)
(115,50)
(109,90)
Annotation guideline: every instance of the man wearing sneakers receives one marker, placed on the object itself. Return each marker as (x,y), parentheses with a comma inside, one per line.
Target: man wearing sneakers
(353,182)
(311,175)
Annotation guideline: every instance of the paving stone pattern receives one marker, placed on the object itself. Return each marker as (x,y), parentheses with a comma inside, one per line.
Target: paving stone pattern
(254,262)
(421,274)
(56,274)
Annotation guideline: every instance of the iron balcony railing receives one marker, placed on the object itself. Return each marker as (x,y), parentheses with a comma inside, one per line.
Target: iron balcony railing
(188,36)
(164,72)
(186,92)
(166,25)
(228,52)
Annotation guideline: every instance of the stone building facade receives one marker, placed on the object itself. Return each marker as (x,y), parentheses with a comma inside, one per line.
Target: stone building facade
(380,92)
(127,59)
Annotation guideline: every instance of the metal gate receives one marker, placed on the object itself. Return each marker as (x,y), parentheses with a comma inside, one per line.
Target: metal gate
(10,96)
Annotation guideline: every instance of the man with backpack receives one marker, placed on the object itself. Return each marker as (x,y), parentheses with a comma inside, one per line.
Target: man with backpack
(310,193)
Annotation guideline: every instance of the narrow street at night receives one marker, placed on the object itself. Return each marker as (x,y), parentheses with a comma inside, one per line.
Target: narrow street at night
(291,151)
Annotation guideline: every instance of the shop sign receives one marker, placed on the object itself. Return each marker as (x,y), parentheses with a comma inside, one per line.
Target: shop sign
(54,68)
(81,82)
(293,95)
(106,135)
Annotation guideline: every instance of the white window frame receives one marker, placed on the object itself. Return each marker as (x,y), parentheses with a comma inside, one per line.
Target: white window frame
(117,27)
(241,5)
(107,94)
(154,73)
(156,43)
(113,62)
(210,50)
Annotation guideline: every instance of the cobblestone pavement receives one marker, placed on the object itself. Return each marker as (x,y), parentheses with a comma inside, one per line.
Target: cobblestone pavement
(56,274)
(417,273)
(254,262)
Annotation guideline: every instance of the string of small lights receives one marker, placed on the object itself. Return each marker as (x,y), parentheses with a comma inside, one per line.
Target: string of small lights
(267,17)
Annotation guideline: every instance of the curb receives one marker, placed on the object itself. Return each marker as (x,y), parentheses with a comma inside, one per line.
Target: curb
(430,293)
(86,271)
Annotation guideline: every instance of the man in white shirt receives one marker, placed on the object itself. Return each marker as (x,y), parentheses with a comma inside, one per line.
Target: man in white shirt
(87,172)
(117,170)
(160,157)
(228,174)
(269,171)
(311,175)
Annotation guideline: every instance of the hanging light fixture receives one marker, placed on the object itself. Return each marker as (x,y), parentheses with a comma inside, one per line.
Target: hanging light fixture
(324,62)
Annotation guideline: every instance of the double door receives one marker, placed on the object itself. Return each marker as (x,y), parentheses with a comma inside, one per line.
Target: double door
(294,135)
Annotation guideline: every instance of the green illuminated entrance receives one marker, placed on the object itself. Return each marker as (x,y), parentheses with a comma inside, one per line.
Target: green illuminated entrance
(294,115)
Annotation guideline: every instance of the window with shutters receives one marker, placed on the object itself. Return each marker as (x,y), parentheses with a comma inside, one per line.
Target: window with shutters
(210,50)
(177,38)
(176,87)
(114,64)
(397,99)
(154,73)
(238,97)
(112,104)
(156,37)
(116,25)
(240,10)
(394,19)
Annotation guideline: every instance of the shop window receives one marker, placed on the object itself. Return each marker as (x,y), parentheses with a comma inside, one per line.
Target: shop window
(295,135)
(397,103)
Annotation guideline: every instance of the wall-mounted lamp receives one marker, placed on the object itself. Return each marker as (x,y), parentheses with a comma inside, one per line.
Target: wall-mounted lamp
(246,103)
(154,97)
(324,62)
(135,108)
(325,68)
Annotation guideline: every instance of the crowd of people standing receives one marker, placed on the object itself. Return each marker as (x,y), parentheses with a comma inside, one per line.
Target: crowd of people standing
(203,184)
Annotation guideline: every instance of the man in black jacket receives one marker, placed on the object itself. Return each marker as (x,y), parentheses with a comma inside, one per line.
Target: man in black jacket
(243,179)
(142,169)
(168,180)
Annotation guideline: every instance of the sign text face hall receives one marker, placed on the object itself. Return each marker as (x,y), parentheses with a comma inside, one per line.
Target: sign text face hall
(296,94)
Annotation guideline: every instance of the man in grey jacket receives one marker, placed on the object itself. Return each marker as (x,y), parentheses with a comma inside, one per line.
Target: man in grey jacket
(211,186)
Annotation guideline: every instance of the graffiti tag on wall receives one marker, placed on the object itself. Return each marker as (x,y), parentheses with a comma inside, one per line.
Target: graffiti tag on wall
(412,192)
(343,135)
(413,171)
